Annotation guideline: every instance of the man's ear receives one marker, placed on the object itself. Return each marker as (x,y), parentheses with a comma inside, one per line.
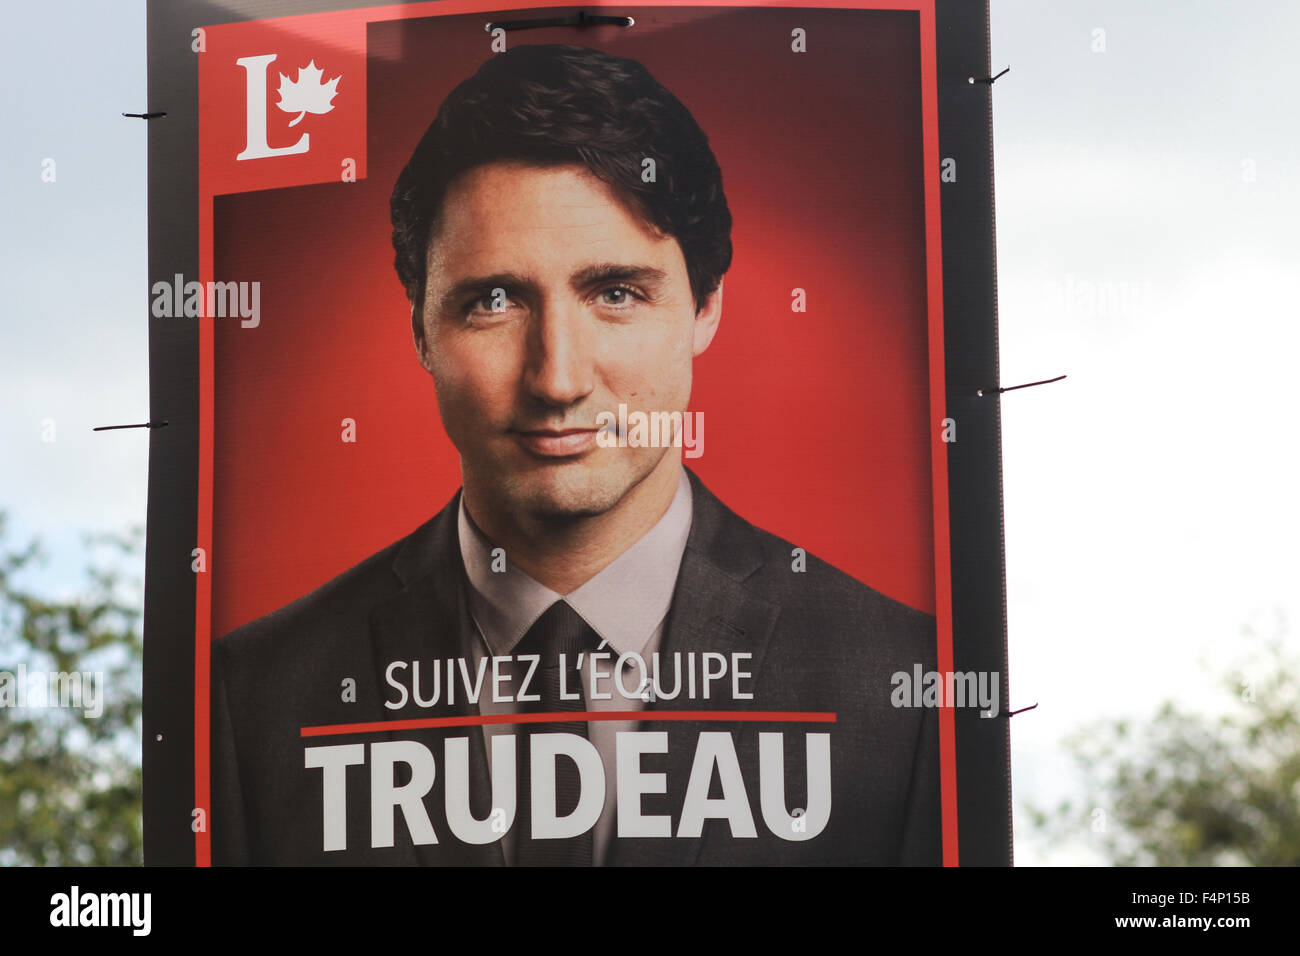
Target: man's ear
(706,321)
(418,336)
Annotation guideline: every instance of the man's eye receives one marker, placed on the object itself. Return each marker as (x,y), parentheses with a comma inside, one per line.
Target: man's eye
(618,295)
(495,301)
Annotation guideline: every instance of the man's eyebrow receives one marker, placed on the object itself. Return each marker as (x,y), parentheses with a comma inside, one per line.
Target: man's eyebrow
(613,272)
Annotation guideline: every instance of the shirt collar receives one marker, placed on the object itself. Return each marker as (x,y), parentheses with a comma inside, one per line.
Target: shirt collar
(625,603)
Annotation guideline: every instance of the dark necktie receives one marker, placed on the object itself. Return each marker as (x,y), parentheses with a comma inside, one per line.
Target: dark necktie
(560,630)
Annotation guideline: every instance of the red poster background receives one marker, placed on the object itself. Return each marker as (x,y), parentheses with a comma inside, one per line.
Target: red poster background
(821,426)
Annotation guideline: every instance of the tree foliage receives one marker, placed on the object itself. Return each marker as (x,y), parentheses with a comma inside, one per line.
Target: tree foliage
(70,781)
(1189,789)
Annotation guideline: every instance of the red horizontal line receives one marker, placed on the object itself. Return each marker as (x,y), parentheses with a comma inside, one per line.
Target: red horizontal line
(565,717)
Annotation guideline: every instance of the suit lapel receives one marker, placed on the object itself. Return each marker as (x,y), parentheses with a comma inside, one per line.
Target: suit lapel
(712,610)
(425,621)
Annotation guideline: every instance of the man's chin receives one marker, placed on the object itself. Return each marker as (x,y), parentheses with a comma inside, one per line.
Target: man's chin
(567,498)
(570,491)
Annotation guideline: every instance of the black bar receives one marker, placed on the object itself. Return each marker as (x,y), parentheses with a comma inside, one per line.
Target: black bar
(975,459)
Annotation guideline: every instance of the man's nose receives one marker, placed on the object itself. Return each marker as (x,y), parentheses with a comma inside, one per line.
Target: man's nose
(560,360)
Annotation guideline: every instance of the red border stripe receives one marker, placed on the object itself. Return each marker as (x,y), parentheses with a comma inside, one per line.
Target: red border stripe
(938,411)
(478,720)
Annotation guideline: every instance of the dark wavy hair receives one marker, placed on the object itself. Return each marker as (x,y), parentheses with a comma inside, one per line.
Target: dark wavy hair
(557,104)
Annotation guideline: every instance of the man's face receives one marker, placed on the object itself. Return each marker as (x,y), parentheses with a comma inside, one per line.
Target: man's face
(547,302)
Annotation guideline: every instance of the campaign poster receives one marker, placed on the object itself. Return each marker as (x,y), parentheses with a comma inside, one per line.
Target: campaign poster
(566,424)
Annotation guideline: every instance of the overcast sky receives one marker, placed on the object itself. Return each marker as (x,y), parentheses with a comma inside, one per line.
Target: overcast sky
(1151,497)
(1147,246)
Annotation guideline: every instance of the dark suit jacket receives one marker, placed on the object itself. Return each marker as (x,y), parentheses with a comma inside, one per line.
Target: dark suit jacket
(820,640)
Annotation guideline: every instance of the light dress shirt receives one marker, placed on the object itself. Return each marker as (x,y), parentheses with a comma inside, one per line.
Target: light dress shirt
(626,604)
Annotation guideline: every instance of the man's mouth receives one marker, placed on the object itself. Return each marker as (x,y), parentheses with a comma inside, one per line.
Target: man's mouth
(557,442)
